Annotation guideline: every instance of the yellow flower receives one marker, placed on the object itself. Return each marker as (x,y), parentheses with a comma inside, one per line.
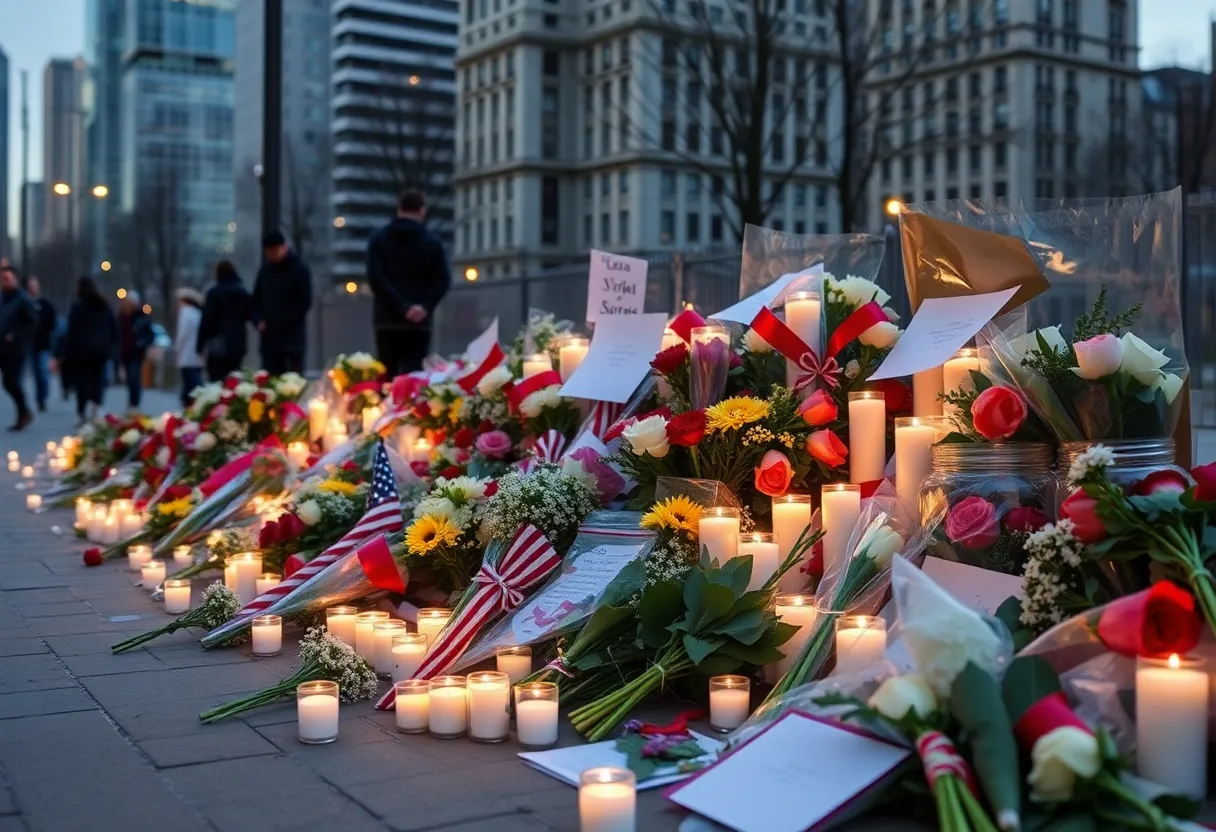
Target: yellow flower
(428,533)
(454,410)
(732,414)
(674,513)
(338,487)
(340,379)
(256,411)
(175,508)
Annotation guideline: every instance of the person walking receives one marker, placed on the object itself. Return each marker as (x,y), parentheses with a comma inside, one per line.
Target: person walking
(88,344)
(18,320)
(282,296)
(408,272)
(189,362)
(135,336)
(44,332)
(221,330)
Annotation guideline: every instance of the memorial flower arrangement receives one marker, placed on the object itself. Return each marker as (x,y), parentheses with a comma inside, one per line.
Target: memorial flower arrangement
(357,377)
(542,333)
(993,413)
(219,605)
(219,546)
(993,529)
(101,445)
(318,513)
(442,543)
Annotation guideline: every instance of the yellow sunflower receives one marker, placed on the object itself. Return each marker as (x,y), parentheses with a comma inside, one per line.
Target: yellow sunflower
(338,487)
(428,533)
(175,508)
(734,413)
(674,513)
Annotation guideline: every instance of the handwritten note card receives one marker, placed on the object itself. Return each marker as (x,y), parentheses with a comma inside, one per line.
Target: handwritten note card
(980,589)
(744,312)
(616,285)
(619,357)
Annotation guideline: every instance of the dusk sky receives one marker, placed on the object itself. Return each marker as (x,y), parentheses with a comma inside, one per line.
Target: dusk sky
(34,31)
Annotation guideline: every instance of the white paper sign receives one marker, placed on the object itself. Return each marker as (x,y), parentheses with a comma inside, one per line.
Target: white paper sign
(619,357)
(566,764)
(480,346)
(938,330)
(745,311)
(616,285)
(980,589)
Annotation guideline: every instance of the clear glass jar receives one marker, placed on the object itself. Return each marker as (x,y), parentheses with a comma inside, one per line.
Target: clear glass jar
(989,497)
(1135,459)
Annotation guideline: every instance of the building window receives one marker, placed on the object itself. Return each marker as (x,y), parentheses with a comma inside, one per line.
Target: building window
(693,229)
(998,155)
(799,227)
(622,226)
(999,80)
(551,63)
(999,190)
(605,184)
(623,182)
(667,183)
(549,211)
(929,165)
(800,196)
(668,139)
(975,191)
(951,193)
(586,229)
(951,161)
(821,197)
(715,228)
(605,228)
(667,226)
(975,158)
(508,232)
(549,123)
(693,186)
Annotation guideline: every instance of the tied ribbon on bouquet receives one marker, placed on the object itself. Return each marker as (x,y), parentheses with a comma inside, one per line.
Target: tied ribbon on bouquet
(468,382)
(378,565)
(370,386)
(525,388)
(813,368)
(941,759)
(529,558)
(234,468)
(549,448)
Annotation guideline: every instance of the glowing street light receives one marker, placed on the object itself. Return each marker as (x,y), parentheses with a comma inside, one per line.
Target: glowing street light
(232,228)
(894,206)
(339,222)
(105,267)
(101,191)
(471,274)
(61,189)
(415,80)
(147,309)
(122,293)
(352,287)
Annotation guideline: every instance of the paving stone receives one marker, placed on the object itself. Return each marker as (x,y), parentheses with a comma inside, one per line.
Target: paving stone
(30,673)
(23,647)
(70,625)
(108,664)
(276,780)
(82,645)
(14,705)
(170,718)
(311,811)
(225,741)
(13,823)
(8,806)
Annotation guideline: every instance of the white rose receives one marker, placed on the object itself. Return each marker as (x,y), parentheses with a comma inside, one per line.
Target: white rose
(436,507)
(1030,341)
(162,458)
(882,544)
(898,695)
(1169,384)
(573,468)
(205,441)
(309,512)
(1098,357)
(245,389)
(493,381)
(87,431)
(269,394)
(130,437)
(1140,360)
(648,436)
(534,403)
(754,343)
(1058,759)
(881,336)
(858,291)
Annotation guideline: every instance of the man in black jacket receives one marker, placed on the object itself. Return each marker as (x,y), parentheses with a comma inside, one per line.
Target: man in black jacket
(408,273)
(40,355)
(282,295)
(18,321)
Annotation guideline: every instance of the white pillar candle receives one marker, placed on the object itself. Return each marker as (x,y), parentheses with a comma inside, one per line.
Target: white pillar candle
(382,636)
(177,596)
(798,611)
(267,581)
(914,440)
(730,701)
(28,472)
(14,465)
(371,415)
(861,640)
(1172,725)
(97,524)
(365,633)
(718,531)
(421,451)
(516,662)
(13,456)
(536,364)
(131,525)
(607,800)
(51,446)
(121,508)
(803,314)
(335,435)
(340,622)
(449,711)
(183,555)
(317,711)
(412,706)
(152,573)
(840,508)
(33,502)
(408,651)
(536,714)
(431,621)
(765,557)
(267,635)
(109,532)
(84,510)
(230,575)
(318,418)
(791,517)
(489,706)
(867,436)
(926,387)
(573,351)
(956,374)
(297,455)
(248,570)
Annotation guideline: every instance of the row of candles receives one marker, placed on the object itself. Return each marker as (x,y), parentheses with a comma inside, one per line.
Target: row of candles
(55,458)
(106,523)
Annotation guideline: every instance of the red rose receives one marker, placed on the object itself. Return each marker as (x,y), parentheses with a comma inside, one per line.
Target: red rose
(826,447)
(92,556)
(972,522)
(774,475)
(293,564)
(998,413)
(420,468)
(258,397)
(813,565)
(227,396)
(176,492)
(896,395)
(1082,510)
(269,535)
(1025,519)
(232,381)
(450,473)
(819,409)
(291,527)
(491,488)
(350,465)
(1205,482)
(464,438)
(261,377)
(670,359)
(422,410)
(618,428)
(687,429)
(1158,621)
(1165,481)
(735,360)
(486,426)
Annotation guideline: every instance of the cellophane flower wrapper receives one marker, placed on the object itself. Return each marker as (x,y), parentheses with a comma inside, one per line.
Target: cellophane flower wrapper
(709,364)
(705,493)
(770,254)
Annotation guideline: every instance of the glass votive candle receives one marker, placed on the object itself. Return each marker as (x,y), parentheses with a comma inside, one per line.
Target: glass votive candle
(183,555)
(719,532)
(267,635)
(409,649)
(27,472)
(177,596)
(536,714)
(137,556)
(382,635)
(248,568)
(413,705)
(365,636)
(861,640)
(448,716)
(607,800)
(33,502)
(84,509)
(489,706)
(340,622)
(51,446)
(230,575)
(536,364)
(729,701)
(317,711)
(432,620)
(267,580)
(13,456)
(152,573)
(516,662)
(14,465)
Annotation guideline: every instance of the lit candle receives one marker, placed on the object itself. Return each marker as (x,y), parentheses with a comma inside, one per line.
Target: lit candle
(13,456)
(860,641)
(340,622)
(798,611)
(791,517)
(28,472)
(431,621)
(335,435)
(382,635)
(152,573)
(421,451)
(765,558)
(84,509)
(670,338)
(729,701)
(956,374)
(248,569)
(130,526)
(267,635)
(536,364)
(914,438)
(371,415)
(607,800)
(536,714)
(51,446)
(137,556)
(412,705)
(266,581)
(719,532)
(297,454)
(33,502)
(183,555)
(121,508)
(867,436)
(1172,724)
(97,524)
(449,711)
(573,351)
(109,532)
(926,387)
(840,508)
(318,418)
(317,711)
(14,465)
(489,706)
(709,357)
(516,662)
(177,596)
(407,435)
(365,634)
(409,649)
(803,314)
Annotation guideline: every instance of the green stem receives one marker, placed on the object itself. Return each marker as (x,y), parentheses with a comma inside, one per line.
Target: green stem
(1108,782)
(263,697)
(948,814)
(144,638)
(979,820)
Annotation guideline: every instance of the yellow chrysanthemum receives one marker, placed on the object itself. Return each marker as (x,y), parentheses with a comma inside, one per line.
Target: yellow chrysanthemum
(428,533)
(175,508)
(256,411)
(338,487)
(732,414)
(675,514)
(340,379)
(454,410)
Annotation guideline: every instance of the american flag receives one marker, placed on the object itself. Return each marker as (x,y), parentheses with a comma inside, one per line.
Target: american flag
(383,516)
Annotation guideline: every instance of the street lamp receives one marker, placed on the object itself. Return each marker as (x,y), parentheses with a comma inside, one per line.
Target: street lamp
(471,274)
(65,190)
(61,189)
(352,287)
(894,207)
(105,265)
(339,222)
(122,293)
(100,191)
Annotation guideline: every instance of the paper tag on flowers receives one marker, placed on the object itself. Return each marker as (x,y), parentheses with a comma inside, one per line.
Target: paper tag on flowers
(745,310)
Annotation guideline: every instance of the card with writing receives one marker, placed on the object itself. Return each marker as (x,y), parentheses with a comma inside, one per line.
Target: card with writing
(619,357)
(616,285)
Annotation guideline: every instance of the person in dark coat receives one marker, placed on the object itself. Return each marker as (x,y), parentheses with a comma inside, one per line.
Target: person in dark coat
(135,336)
(408,272)
(41,353)
(18,321)
(282,296)
(87,346)
(221,330)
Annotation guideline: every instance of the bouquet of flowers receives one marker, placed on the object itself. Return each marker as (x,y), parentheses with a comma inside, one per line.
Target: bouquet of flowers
(442,545)
(990,412)
(219,546)
(320,512)
(542,333)
(219,605)
(357,378)
(101,446)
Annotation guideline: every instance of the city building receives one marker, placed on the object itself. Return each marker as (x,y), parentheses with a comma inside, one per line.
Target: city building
(306,168)
(103,54)
(63,149)
(35,212)
(394,98)
(6,246)
(1003,99)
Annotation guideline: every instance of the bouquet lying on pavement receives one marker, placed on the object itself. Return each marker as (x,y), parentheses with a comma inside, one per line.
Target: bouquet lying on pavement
(219,605)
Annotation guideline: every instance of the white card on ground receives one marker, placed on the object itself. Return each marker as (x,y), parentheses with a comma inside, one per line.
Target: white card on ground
(938,330)
(616,285)
(772,783)
(980,589)
(619,357)
(745,311)
(480,346)
(566,764)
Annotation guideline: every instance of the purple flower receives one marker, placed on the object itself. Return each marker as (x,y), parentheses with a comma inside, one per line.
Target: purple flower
(658,746)
(633,726)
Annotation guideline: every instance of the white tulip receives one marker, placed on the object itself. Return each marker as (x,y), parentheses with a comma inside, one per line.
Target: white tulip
(898,695)
(1029,342)
(881,336)
(1098,357)
(309,512)
(858,291)
(882,545)
(754,343)
(1140,360)
(1058,759)
(205,441)
(493,381)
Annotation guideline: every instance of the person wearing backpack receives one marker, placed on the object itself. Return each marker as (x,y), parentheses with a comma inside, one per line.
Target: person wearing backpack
(135,336)
(222,330)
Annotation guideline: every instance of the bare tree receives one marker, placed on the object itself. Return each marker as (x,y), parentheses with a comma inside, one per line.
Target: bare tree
(307,199)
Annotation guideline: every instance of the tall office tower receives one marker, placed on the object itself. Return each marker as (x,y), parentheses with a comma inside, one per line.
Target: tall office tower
(103,53)
(6,247)
(63,148)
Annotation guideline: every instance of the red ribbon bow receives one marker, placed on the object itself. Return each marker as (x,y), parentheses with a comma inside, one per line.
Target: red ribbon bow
(378,565)
(814,369)
(469,381)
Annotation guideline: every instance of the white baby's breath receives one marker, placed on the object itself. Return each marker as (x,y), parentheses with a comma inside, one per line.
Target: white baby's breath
(1099,456)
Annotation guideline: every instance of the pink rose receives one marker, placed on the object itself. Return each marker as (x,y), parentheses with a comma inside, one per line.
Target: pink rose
(973,523)
(494,445)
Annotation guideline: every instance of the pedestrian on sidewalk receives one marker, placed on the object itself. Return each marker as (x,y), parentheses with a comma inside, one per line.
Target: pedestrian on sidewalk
(18,320)
(40,355)
(87,346)
(221,330)
(408,272)
(135,336)
(282,296)
(189,362)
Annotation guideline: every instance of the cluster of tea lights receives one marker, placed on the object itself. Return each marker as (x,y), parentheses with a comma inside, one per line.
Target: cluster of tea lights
(110,523)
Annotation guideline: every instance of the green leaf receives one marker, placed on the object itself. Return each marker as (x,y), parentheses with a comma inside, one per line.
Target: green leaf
(1156,506)
(736,574)
(659,605)
(975,701)
(719,664)
(698,649)
(627,583)
(981,381)
(1009,613)
(712,603)
(956,438)
(1028,680)
(745,628)
(642,767)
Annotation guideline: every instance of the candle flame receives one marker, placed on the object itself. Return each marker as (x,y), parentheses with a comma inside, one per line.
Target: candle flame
(863,621)
(1175,662)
